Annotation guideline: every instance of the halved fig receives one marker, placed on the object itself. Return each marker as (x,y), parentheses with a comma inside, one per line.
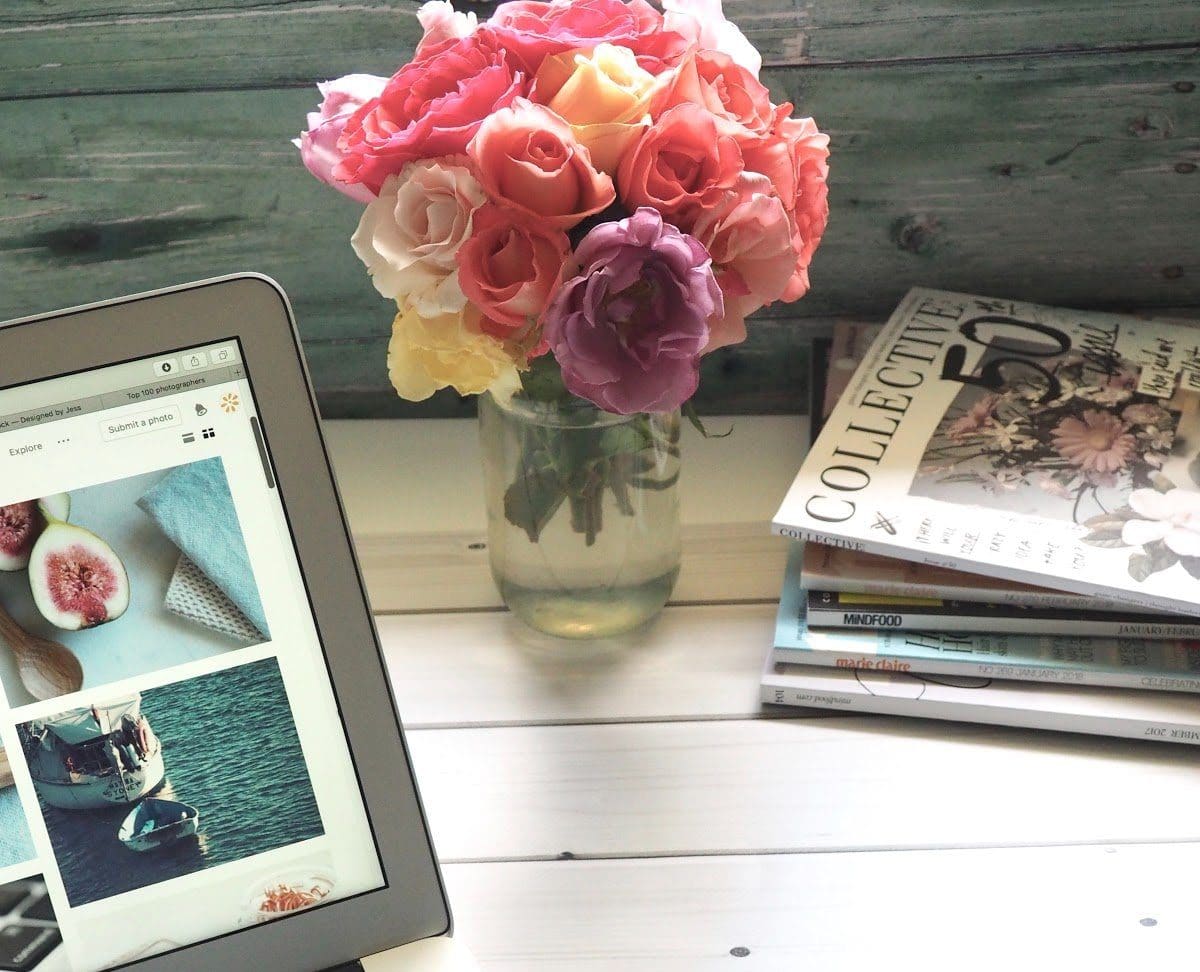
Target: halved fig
(77,579)
(22,523)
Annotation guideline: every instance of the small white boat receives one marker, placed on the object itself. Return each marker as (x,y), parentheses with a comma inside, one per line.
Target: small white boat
(154,823)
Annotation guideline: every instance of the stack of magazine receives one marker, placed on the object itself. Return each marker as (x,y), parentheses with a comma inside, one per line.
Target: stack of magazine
(998,521)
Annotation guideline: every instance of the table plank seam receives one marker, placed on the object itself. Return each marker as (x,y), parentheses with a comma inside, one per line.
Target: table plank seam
(571,857)
(806,715)
(499,609)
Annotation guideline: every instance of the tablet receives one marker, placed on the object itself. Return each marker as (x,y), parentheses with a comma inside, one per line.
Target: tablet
(206,768)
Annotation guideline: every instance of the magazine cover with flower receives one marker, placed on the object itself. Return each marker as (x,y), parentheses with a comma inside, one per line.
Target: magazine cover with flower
(574,200)
(1051,446)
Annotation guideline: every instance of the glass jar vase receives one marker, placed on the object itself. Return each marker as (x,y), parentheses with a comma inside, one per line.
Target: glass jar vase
(583,513)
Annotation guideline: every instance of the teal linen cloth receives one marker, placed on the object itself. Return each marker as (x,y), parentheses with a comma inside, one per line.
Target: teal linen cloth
(15,845)
(193,506)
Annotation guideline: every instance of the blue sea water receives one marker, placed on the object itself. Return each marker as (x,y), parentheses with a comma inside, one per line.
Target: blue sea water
(15,845)
(230,750)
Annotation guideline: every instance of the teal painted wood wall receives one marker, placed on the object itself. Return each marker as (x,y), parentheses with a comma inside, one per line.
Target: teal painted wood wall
(1039,149)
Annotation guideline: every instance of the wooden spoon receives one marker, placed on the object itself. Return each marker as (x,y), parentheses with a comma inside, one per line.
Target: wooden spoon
(6,778)
(47,668)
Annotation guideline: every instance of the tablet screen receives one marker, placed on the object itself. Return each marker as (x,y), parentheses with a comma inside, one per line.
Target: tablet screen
(174,765)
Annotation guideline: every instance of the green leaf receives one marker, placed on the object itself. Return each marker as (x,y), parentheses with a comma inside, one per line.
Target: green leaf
(1105,538)
(1157,557)
(620,471)
(617,440)
(532,499)
(690,413)
(1161,483)
(1139,567)
(543,381)
(1161,556)
(1111,521)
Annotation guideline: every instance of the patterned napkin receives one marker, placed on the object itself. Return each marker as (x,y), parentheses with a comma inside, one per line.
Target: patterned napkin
(193,596)
(193,506)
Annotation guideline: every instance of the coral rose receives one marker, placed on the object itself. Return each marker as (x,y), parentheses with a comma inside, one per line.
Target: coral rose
(749,237)
(319,145)
(527,156)
(448,350)
(409,237)
(796,160)
(736,98)
(629,325)
(441,22)
(533,31)
(510,267)
(604,95)
(704,25)
(683,165)
(430,108)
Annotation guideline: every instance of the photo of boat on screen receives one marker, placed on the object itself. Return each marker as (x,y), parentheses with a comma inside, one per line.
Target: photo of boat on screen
(152,786)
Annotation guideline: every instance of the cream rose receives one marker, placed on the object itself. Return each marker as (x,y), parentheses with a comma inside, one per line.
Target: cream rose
(448,350)
(409,237)
(703,23)
(441,22)
(604,94)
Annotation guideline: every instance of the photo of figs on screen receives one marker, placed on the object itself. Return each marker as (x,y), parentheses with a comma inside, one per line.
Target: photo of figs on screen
(122,579)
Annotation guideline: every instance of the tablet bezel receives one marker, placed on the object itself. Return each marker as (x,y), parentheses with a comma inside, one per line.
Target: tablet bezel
(254,309)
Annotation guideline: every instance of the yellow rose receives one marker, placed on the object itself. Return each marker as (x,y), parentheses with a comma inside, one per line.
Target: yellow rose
(428,353)
(603,93)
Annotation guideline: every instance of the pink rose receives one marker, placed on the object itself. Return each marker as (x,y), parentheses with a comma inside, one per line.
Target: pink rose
(683,165)
(527,156)
(430,108)
(749,237)
(736,98)
(510,266)
(703,24)
(441,23)
(319,145)
(533,30)
(796,160)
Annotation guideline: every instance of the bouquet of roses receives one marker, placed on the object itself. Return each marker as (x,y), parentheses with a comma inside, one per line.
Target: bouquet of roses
(576,197)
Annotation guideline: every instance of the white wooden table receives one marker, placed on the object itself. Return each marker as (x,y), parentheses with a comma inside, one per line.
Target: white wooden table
(642,811)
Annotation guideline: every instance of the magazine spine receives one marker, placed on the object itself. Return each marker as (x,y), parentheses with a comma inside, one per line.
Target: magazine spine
(883,618)
(1075,585)
(1051,600)
(780,690)
(1000,668)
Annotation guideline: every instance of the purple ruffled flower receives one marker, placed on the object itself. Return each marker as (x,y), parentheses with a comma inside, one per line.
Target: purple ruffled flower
(629,326)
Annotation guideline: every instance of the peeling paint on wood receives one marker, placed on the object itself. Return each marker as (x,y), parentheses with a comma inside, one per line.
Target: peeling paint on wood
(134,46)
(1044,149)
